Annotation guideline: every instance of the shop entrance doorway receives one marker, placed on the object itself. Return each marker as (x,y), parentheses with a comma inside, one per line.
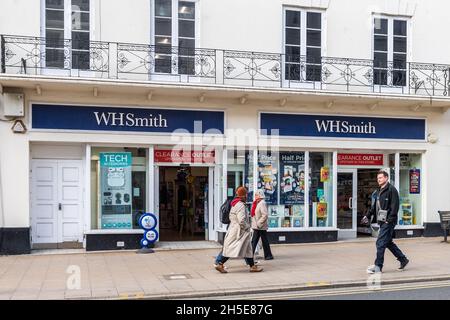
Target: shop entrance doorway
(354,190)
(183,203)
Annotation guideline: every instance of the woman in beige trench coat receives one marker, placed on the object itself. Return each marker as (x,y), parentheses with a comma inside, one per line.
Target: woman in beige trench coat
(237,242)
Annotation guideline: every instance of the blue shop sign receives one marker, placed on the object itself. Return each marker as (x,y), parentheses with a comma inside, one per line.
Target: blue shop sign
(95,118)
(302,125)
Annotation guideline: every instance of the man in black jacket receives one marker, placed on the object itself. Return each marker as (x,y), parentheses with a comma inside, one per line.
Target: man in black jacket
(386,204)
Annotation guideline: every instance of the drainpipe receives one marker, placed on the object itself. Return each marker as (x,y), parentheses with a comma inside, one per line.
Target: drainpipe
(2,211)
(3,58)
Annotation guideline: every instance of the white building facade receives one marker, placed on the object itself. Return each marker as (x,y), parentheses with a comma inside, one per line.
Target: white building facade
(110,110)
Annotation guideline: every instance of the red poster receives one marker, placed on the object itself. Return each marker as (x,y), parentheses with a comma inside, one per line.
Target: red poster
(184,156)
(414,181)
(360,159)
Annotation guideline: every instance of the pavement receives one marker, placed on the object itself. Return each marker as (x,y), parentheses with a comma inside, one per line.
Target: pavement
(189,273)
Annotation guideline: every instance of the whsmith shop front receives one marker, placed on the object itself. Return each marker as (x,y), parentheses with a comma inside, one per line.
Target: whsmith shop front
(95,169)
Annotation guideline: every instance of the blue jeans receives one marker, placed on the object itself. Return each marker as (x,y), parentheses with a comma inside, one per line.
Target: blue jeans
(384,242)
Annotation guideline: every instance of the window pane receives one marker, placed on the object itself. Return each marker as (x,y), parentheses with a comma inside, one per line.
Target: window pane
(313,38)
(186,47)
(379,77)
(399,28)
(54,19)
(80,40)
(380,26)
(163,40)
(292,54)
(399,44)
(380,60)
(410,189)
(321,189)
(163,8)
(80,5)
(399,78)
(114,207)
(163,27)
(292,71)
(163,64)
(313,72)
(80,60)
(313,55)
(186,28)
(54,38)
(399,61)
(54,4)
(293,36)
(292,19)
(163,45)
(80,21)
(380,43)
(54,58)
(313,20)
(186,65)
(186,10)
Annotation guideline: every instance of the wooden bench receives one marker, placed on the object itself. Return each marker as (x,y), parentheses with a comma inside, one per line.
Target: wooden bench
(445,222)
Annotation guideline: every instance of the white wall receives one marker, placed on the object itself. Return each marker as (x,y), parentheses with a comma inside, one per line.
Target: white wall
(20,17)
(254,25)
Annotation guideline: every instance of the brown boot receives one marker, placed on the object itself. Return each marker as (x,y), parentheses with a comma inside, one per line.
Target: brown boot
(255,268)
(221,268)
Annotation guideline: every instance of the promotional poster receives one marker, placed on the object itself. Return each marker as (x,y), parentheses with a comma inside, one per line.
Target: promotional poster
(115,184)
(267,177)
(292,182)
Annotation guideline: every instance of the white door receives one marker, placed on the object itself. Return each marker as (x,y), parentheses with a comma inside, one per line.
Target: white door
(56,201)
(44,201)
(70,205)
(347,203)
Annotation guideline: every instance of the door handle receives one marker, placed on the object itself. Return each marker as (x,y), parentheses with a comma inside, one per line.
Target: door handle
(350,203)
(59,206)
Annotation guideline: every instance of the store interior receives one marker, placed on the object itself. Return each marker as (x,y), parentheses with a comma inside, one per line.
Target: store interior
(183,203)
(367,184)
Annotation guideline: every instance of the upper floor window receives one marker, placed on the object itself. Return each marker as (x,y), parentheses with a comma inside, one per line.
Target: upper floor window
(390,51)
(67,26)
(302,45)
(174,36)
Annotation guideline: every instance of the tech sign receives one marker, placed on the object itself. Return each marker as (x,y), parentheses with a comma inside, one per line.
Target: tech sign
(360,159)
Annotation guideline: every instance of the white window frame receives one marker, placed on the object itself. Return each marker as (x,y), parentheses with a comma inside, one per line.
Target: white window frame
(174,38)
(67,36)
(303,45)
(390,50)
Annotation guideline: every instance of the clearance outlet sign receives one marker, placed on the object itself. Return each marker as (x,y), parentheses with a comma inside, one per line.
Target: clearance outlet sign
(360,159)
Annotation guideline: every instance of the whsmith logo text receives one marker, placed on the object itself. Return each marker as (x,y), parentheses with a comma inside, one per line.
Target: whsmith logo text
(337,126)
(122,119)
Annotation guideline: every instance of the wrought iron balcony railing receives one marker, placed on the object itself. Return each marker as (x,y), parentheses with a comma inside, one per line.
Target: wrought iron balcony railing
(125,61)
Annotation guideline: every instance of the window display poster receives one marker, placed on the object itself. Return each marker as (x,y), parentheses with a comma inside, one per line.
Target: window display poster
(292,181)
(249,175)
(324,174)
(116,191)
(321,210)
(268,176)
(414,181)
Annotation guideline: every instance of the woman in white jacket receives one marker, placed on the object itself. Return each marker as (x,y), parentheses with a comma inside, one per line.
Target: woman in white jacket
(260,215)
